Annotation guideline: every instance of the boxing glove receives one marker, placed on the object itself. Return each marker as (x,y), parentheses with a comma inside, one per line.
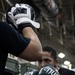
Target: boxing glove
(48,70)
(22,15)
(31,73)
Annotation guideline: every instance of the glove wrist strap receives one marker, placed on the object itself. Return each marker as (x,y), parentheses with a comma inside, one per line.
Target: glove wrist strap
(23,25)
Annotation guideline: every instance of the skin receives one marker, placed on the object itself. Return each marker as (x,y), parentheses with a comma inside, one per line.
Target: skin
(33,51)
(47,59)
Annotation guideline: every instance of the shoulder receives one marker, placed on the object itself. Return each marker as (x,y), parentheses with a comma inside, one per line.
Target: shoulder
(64,71)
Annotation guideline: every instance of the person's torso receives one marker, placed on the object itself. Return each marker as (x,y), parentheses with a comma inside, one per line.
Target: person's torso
(64,71)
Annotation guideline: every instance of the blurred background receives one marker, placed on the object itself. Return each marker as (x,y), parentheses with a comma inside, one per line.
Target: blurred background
(57,32)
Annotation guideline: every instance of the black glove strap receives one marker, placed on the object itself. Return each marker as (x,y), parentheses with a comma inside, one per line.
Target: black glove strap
(23,25)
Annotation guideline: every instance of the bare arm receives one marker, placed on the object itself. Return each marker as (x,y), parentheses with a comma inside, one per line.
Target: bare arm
(34,49)
(23,21)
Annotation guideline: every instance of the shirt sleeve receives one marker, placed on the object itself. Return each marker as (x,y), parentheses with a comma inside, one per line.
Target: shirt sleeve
(17,43)
(13,41)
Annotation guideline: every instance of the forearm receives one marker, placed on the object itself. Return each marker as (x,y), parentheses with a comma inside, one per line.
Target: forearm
(34,49)
(29,33)
(24,21)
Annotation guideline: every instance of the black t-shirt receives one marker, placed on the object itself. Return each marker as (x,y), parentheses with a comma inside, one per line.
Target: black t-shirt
(11,41)
(64,71)
(8,72)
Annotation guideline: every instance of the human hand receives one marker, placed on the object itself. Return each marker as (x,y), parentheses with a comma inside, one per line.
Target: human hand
(22,15)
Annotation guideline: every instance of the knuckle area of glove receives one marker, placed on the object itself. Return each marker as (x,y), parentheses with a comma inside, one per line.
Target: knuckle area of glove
(48,71)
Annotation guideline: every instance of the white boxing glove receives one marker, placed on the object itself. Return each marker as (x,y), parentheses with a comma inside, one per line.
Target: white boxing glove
(21,14)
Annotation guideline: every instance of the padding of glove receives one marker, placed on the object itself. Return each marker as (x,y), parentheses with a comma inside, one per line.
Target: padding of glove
(31,73)
(22,14)
(48,70)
